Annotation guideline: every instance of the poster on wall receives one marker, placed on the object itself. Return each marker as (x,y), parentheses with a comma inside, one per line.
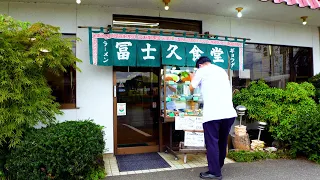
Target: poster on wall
(121,109)
(195,139)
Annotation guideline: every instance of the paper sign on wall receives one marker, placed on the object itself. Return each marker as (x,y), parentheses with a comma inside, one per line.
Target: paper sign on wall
(121,109)
(195,139)
(245,74)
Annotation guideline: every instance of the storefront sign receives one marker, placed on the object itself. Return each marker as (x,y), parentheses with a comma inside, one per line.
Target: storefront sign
(121,109)
(146,50)
(195,139)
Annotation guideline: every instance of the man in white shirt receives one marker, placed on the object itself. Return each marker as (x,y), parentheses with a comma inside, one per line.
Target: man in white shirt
(218,113)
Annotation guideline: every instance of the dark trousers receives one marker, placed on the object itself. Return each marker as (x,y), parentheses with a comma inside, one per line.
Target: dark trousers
(216,138)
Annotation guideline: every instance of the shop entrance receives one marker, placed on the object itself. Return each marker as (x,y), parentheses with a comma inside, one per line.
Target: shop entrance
(136,110)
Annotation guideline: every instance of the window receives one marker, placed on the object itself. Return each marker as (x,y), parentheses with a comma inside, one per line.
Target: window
(64,85)
(157,23)
(277,65)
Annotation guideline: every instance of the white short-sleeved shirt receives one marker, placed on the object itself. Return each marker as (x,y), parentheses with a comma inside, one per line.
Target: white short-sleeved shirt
(216,92)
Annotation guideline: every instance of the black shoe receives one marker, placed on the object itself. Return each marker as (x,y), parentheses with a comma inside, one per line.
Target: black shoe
(207,175)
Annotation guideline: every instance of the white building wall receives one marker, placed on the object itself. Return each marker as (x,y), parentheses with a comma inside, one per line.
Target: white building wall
(94,84)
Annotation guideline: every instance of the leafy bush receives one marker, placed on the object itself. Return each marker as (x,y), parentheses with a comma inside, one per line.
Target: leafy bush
(250,156)
(96,174)
(4,151)
(302,134)
(261,101)
(292,114)
(276,106)
(69,150)
(315,80)
(25,97)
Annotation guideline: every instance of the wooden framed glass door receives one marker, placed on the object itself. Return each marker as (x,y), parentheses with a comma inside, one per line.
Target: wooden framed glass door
(136,110)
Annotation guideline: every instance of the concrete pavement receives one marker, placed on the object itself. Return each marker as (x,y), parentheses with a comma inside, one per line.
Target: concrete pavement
(264,170)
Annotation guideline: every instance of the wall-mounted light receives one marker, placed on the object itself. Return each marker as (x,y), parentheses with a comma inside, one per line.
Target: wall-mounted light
(166,4)
(78,1)
(304,20)
(239,9)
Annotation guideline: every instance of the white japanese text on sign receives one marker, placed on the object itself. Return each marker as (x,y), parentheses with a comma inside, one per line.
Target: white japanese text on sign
(232,59)
(106,53)
(216,53)
(196,52)
(148,50)
(123,53)
(172,49)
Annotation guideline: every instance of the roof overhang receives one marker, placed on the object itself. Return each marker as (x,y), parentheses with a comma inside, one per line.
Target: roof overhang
(313,4)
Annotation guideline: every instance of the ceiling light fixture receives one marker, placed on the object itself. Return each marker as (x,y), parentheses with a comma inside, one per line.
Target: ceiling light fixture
(304,20)
(78,1)
(131,23)
(239,9)
(166,3)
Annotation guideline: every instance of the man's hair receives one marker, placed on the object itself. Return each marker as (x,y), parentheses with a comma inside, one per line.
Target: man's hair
(202,60)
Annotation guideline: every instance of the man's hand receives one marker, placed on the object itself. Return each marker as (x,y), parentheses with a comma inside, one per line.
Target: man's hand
(191,78)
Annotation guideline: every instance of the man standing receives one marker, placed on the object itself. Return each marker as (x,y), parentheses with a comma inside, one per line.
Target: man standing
(218,113)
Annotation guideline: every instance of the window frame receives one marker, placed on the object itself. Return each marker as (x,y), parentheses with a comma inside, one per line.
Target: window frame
(311,63)
(161,21)
(66,106)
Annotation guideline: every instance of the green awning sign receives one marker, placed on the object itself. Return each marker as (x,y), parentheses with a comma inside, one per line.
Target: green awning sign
(148,53)
(194,52)
(173,53)
(124,52)
(146,50)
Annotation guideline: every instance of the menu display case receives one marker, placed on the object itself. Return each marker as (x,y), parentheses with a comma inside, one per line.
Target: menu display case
(176,98)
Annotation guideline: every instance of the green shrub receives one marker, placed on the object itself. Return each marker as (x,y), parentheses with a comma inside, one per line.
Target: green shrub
(276,106)
(96,174)
(261,101)
(69,150)
(25,96)
(315,80)
(302,134)
(250,156)
(2,176)
(315,158)
(292,114)
(4,151)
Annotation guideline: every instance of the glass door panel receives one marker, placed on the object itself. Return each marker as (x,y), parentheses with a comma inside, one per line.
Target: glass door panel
(137,95)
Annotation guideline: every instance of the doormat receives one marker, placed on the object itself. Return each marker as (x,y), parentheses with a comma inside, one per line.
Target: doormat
(136,162)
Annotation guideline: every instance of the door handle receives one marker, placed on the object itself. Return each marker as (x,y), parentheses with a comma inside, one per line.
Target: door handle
(114,91)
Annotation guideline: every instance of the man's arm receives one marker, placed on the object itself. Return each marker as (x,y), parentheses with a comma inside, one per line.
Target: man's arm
(173,89)
(195,81)
(191,88)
